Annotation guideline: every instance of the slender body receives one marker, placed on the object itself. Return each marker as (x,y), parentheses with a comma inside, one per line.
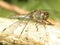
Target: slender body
(36,15)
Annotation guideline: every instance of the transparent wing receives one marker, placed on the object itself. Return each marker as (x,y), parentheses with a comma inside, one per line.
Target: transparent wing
(10,29)
(17,27)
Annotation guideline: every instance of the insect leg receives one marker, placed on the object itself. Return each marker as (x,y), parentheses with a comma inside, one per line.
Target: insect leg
(23,30)
(49,23)
(36,26)
(44,24)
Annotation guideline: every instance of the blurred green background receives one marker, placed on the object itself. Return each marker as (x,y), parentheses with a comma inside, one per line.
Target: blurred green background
(51,6)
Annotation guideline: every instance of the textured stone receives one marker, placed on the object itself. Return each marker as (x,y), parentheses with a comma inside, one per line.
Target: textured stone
(30,35)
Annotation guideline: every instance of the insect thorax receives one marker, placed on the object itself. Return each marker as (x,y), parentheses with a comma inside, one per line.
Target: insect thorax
(38,15)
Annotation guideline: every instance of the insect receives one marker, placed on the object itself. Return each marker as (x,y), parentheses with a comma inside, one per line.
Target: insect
(37,16)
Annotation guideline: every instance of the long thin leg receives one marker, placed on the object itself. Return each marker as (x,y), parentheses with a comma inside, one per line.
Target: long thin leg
(23,29)
(41,22)
(44,24)
(36,26)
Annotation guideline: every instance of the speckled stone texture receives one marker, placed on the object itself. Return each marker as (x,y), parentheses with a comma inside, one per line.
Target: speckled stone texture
(11,33)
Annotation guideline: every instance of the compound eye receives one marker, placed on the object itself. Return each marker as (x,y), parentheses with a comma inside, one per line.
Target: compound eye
(46,17)
(46,13)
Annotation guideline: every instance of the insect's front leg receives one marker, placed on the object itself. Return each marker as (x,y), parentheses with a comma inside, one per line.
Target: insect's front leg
(44,24)
(48,23)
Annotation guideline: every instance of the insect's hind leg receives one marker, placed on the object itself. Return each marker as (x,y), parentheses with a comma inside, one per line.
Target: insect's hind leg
(23,29)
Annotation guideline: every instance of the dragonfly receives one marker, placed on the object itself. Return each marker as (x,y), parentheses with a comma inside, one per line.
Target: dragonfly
(37,16)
